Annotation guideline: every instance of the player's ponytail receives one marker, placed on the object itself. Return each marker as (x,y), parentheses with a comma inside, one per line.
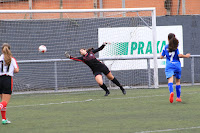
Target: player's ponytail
(170,36)
(173,44)
(7,53)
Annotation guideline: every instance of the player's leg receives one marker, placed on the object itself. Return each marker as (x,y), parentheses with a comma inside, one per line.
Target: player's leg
(6,95)
(5,101)
(178,90)
(115,81)
(170,86)
(169,75)
(178,86)
(99,80)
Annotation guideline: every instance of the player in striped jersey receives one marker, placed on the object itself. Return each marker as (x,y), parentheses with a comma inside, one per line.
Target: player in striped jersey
(97,67)
(173,65)
(8,66)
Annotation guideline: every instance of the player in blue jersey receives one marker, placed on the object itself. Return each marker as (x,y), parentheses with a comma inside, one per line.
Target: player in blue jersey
(173,65)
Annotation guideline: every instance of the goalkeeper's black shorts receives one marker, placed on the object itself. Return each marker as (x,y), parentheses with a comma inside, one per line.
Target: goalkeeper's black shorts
(101,70)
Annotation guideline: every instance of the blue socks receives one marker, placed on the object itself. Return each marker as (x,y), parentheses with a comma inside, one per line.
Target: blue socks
(170,85)
(178,90)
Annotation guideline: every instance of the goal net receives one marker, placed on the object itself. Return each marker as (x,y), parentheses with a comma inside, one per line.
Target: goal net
(130,55)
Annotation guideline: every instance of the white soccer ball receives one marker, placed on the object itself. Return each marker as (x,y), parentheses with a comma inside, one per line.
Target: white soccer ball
(42,49)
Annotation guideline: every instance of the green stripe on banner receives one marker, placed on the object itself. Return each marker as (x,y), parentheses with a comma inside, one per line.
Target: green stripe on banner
(117,49)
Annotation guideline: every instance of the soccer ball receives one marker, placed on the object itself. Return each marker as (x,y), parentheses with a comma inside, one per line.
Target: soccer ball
(42,49)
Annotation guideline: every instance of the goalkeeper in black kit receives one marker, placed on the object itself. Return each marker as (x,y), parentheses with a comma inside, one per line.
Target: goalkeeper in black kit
(97,67)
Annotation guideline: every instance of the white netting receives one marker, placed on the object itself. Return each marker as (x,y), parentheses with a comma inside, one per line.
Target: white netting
(25,32)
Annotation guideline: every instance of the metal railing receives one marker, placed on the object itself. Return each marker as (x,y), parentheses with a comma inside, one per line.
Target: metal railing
(106,59)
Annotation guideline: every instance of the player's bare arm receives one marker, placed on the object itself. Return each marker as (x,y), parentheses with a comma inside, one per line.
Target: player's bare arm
(184,56)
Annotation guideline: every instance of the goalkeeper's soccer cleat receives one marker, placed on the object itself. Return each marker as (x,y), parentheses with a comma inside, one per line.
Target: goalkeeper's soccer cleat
(105,43)
(107,93)
(124,91)
(171,97)
(5,121)
(178,99)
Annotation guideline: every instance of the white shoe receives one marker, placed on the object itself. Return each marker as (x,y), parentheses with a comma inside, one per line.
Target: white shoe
(5,121)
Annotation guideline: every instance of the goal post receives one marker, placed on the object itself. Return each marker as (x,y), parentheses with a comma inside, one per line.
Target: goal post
(155,48)
(131,57)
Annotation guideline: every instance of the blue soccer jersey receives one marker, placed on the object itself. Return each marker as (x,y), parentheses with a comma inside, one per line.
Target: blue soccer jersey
(173,65)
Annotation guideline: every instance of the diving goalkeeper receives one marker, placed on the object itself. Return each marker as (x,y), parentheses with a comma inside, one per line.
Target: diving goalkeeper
(97,67)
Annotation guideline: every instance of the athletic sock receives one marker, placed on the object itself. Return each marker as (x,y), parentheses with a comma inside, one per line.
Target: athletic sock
(3,104)
(115,81)
(104,87)
(170,86)
(178,91)
(3,113)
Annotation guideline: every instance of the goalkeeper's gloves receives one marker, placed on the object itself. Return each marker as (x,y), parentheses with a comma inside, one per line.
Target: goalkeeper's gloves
(67,54)
(105,43)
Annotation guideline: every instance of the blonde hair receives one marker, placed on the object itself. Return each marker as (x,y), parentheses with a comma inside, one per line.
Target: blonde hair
(7,53)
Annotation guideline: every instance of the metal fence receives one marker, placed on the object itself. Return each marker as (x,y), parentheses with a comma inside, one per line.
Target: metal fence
(195,73)
(55,73)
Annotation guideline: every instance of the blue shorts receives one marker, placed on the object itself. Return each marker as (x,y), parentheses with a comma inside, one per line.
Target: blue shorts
(173,72)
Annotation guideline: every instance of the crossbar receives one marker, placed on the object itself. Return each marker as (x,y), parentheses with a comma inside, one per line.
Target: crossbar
(79,10)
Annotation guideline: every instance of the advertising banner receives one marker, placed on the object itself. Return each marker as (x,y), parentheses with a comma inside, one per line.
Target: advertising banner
(135,42)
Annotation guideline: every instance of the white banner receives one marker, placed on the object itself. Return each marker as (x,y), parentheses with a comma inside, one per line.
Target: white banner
(135,42)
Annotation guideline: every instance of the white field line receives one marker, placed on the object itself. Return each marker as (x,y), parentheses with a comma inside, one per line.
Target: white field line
(33,105)
(65,102)
(169,130)
(87,100)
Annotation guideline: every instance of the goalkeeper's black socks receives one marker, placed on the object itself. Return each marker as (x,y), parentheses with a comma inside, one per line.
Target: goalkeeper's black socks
(104,87)
(115,81)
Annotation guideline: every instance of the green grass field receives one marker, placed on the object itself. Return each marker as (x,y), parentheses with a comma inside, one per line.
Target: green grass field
(140,111)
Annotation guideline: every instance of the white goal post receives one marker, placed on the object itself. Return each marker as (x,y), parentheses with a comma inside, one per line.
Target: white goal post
(8,18)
